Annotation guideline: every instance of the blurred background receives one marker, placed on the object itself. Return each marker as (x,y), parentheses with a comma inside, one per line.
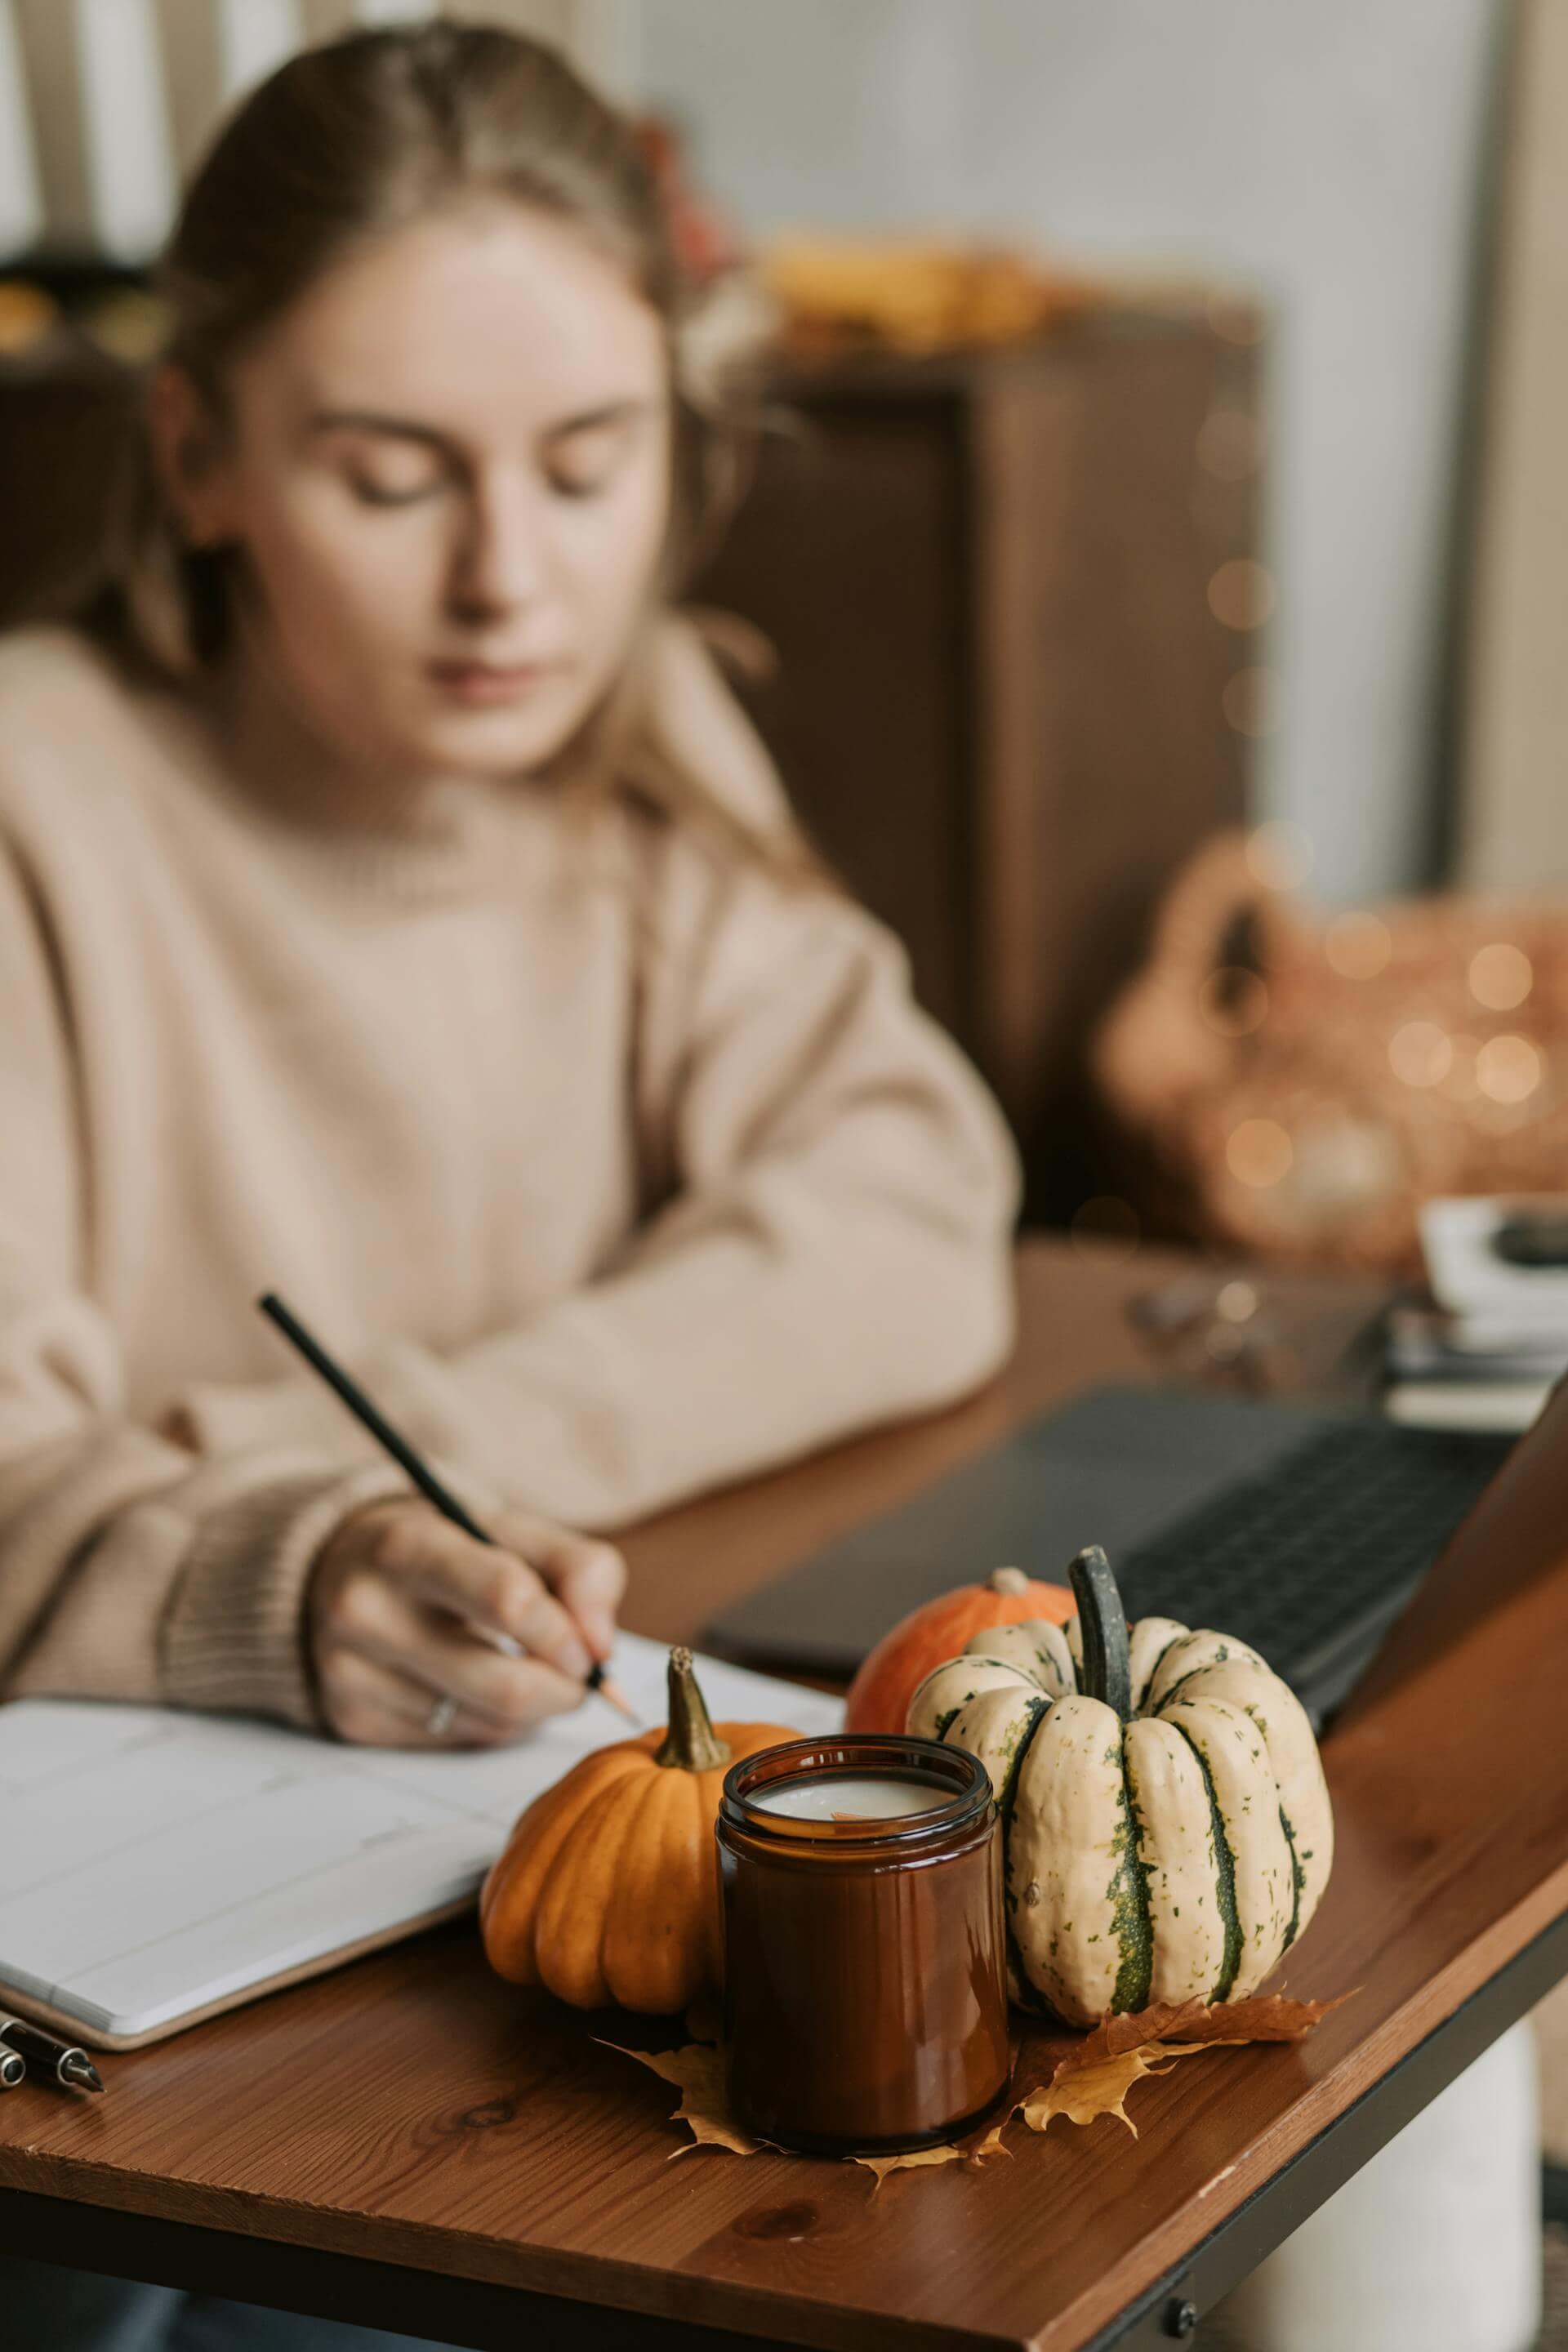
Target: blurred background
(1153,586)
(1153,580)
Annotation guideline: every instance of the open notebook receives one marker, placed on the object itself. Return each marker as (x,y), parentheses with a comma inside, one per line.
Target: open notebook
(157,1865)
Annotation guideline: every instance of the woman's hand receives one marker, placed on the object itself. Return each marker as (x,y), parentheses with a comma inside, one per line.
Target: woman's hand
(404,1609)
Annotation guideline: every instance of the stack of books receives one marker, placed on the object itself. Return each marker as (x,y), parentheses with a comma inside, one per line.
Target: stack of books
(1481,1345)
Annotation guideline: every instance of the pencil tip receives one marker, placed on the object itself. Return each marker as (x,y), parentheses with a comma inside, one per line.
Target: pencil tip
(613,1692)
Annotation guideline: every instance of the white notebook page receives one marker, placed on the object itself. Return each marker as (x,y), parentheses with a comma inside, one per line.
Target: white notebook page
(155,1861)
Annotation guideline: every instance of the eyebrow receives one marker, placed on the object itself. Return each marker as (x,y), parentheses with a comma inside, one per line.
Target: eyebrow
(405,428)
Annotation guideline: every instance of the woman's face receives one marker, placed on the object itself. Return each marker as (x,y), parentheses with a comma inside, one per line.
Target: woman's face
(449,473)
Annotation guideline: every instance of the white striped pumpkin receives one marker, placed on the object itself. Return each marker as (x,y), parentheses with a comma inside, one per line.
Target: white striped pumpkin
(1167,1824)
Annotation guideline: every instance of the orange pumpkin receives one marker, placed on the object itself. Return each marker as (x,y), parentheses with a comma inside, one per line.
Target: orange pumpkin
(607,1889)
(880,1693)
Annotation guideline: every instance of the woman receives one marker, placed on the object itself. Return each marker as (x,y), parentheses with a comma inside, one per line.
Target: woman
(399,912)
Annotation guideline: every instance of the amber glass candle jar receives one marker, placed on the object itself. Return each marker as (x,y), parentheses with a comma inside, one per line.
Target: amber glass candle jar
(865,1980)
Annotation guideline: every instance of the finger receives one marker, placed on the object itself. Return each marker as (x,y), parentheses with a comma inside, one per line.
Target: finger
(434,1561)
(378,1705)
(588,1577)
(447,1655)
(375,1707)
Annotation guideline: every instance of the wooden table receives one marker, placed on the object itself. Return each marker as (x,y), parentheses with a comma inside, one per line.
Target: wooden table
(408,2143)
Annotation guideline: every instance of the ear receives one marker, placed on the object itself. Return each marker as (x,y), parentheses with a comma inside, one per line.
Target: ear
(188,447)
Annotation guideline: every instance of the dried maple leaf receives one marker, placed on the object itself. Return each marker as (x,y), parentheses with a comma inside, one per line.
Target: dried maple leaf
(991,2142)
(1094,2078)
(1081,2091)
(969,2150)
(699,2075)
(947,2153)
(1267,2017)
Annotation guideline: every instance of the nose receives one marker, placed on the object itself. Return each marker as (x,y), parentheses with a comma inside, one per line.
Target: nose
(502,560)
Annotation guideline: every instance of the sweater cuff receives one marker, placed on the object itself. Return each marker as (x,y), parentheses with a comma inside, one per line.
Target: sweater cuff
(234,1636)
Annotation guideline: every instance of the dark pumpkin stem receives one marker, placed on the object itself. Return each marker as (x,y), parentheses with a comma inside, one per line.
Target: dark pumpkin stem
(1103,1625)
(691,1743)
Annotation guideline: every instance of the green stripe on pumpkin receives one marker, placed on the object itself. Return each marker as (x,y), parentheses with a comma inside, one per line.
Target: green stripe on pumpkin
(1224,1876)
(1297,1880)
(1155,1669)
(1038,1710)
(1128,1894)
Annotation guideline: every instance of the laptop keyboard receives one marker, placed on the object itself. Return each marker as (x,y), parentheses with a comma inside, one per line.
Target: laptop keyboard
(1311,1560)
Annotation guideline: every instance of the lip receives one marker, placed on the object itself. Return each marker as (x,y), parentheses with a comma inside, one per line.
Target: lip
(487,682)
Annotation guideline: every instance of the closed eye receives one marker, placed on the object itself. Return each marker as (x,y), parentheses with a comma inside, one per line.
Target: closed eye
(584,462)
(384,464)
(377,494)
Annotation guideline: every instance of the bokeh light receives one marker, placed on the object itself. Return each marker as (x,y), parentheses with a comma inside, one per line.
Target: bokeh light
(1346,1163)
(1508,1069)
(1249,700)
(1241,593)
(1420,1054)
(1280,856)
(1357,945)
(126,323)
(1500,977)
(1107,1226)
(1259,1152)
(1234,1001)
(27,316)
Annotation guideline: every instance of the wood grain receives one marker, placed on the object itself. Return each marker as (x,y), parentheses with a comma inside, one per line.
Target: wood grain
(414,2109)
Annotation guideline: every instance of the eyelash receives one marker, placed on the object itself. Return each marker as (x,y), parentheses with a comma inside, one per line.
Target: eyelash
(369,497)
(562,485)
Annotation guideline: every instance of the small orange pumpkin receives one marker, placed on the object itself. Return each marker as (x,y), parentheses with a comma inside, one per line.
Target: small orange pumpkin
(607,1889)
(880,1693)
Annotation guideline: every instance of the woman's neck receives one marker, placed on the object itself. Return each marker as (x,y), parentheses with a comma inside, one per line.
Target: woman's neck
(283,763)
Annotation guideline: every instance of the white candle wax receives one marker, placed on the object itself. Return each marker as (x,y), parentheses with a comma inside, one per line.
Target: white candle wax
(859,1796)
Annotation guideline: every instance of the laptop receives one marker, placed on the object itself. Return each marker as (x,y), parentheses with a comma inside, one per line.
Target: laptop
(1304,1532)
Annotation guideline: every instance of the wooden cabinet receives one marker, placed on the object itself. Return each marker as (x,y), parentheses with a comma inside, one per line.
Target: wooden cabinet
(63,431)
(999,699)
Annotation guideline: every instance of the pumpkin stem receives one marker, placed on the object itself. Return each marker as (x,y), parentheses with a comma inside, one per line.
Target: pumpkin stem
(1102,1624)
(1011,1581)
(690,1741)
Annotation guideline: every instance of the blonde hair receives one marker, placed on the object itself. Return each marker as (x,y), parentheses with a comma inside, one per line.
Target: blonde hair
(344,144)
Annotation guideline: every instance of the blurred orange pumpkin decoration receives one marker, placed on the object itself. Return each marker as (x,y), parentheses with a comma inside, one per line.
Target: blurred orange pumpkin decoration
(880,1693)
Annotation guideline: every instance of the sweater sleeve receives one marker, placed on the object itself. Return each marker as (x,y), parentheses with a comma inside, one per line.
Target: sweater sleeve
(831,1251)
(129,1568)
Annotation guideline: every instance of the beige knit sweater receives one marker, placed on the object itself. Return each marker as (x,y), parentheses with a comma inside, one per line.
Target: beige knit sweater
(612,1168)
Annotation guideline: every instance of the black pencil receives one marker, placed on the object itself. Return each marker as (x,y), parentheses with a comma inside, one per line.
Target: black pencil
(403,1454)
